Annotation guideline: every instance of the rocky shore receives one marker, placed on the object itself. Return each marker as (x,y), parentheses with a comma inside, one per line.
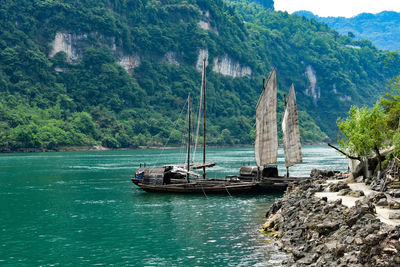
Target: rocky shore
(319,232)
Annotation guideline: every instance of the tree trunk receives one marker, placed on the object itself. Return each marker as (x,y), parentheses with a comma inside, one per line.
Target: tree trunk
(378,154)
(366,176)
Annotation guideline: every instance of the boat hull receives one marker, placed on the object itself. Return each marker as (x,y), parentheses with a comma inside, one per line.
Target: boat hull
(200,188)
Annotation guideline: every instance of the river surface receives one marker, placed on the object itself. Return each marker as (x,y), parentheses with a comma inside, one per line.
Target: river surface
(80,208)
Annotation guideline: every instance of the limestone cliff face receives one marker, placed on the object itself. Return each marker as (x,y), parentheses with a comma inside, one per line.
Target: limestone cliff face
(226,66)
(203,54)
(171,57)
(343,98)
(223,65)
(74,45)
(70,43)
(129,62)
(312,90)
(205,22)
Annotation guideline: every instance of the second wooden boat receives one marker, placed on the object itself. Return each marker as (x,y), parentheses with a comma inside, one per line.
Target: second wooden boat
(179,179)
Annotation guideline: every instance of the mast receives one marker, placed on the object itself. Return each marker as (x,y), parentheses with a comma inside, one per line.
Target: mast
(204,118)
(285,103)
(188,148)
(258,166)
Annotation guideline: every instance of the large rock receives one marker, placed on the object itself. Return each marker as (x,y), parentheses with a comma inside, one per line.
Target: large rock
(376,197)
(315,173)
(356,193)
(344,192)
(336,187)
(394,205)
(382,202)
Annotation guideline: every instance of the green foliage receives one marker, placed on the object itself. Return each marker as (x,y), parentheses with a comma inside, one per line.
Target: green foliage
(391,105)
(83,123)
(364,131)
(396,144)
(367,130)
(46,103)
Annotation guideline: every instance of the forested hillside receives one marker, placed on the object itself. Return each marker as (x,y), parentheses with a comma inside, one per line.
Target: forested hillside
(117,73)
(382,29)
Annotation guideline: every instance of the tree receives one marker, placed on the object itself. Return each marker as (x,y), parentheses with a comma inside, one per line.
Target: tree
(364,132)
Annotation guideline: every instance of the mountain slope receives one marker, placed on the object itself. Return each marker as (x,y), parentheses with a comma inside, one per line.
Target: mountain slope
(382,29)
(117,73)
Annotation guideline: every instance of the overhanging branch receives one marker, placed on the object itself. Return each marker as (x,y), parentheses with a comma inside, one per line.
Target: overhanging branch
(344,153)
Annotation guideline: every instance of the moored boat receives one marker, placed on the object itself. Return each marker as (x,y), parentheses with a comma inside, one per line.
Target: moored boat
(168,179)
(178,178)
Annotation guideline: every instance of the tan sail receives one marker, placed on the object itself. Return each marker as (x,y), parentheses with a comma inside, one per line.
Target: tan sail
(266,144)
(290,129)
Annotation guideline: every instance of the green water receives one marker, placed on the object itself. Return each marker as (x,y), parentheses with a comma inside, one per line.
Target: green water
(80,208)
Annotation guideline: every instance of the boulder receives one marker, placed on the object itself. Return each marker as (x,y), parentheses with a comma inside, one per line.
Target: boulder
(344,192)
(315,173)
(326,228)
(394,193)
(394,205)
(375,197)
(394,216)
(274,208)
(356,193)
(382,202)
(390,250)
(372,239)
(336,187)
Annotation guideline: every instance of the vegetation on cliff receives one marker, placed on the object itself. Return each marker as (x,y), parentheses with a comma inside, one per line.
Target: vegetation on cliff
(50,100)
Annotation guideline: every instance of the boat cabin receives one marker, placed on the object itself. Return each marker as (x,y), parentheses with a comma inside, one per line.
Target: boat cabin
(159,175)
(251,172)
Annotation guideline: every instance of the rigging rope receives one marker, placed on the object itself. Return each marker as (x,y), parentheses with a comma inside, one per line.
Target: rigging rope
(173,128)
(227,191)
(203,190)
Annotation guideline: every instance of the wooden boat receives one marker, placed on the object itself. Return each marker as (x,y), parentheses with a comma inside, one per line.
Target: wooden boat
(176,178)
(167,180)
(266,144)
